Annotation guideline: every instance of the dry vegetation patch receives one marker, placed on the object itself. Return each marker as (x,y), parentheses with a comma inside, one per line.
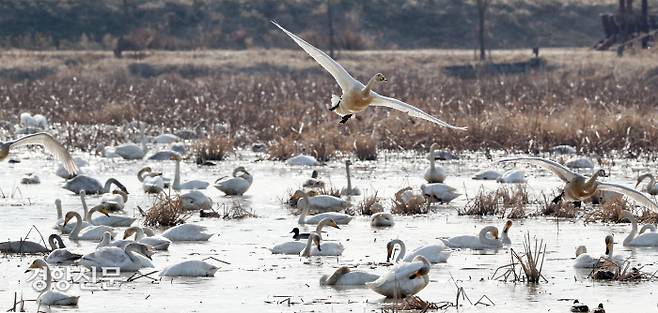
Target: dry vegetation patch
(505,200)
(166,211)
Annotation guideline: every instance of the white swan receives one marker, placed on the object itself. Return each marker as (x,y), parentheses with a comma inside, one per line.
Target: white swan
(578,187)
(42,139)
(439,192)
(90,232)
(512,177)
(344,276)
(151,182)
(108,242)
(652,187)
(647,228)
(482,241)
(195,200)
(349,190)
(357,97)
(579,163)
(314,182)
(487,175)
(321,249)
(403,279)
(504,237)
(434,174)
(192,184)
(382,219)
(187,232)
(126,260)
(434,253)
(131,151)
(115,201)
(60,219)
(585,260)
(50,297)
(236,185)
(60,254)
(190,268)
(644,240)
(296,246)
(339,218)
(64,173)
(320,203)
(157,242)
(302,160)
(166,138)
(91,185)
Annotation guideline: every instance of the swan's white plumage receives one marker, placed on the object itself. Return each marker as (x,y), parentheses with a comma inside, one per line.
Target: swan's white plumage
(187,232)
(190,268)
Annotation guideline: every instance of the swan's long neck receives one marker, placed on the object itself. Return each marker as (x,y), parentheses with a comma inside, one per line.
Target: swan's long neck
(403,249)
(372,83)
(590,184)
(141,131)
(142,173)
(349,179)
(51,242)
(609,249)
(486,240)
(139,234)
(49,279)
(107,238)
(177,175)
(307,204)
(78,226)
(307,248)
(323,223)
(631,235)
(85,210)
(58,205)
(331,280)
(130,252)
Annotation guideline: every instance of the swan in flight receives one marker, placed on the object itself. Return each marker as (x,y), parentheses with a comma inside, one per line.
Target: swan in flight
(50,297)
(320,203)
(652,187)
(192,184)
(644,240)
(91,185)
(382,219)
(321,249)
(157,242)
(187,232)
(152,182)
(296,246)
(438,192)
(344,276)
(434,174)
(236,185)
(482,241)
(578,187)
(487,175)
(436,253)
(357,97)
(404,279)
(314,182)
(126,259)
(349,190)
(60,254)
(43,139)
(90,232)
(190,268)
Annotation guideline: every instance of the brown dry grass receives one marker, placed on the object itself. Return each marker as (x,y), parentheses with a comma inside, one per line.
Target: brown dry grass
(214,148)
(416,205)
(166,211)
(280,97)
(609,212)
(504,201)
(562,209)
(370,205)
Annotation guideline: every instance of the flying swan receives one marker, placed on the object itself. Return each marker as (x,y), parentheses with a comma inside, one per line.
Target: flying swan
(43,139)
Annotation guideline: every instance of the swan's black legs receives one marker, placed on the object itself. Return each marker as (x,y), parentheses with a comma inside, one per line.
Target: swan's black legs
(558,199)
(345,118)
(335,106)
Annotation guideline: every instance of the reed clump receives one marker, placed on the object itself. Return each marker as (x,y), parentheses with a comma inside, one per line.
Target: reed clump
(610,211)
(214,148)
(370,205)
(510,201)
(236,212)
(408,202)
(166,211)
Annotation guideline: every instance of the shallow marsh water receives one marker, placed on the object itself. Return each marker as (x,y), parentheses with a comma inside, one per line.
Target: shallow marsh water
(255,280)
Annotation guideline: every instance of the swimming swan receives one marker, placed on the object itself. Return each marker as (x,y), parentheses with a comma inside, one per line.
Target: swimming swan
(236,185)
(349,190)
(404,279)
(321,249)
(60,218)
(339,218)
(487,175)
(152,182)
(91,185)
(382,219)
(344,276)
(42,139)
(357,97)
(434,253)
(192,184)
(320,203)
(190,268)
(187,232)
(438,192)
(296,246)
(60,254)
(51,297)
(578,187)
(434,174)
(512,177)
(147,237)
(644,240)
(482,241)
(125,259)
(314,182)
(90,232)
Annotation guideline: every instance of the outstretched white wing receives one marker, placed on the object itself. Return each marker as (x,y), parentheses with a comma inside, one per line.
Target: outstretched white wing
(342,77)
(396,104)
(51,145)
(629,192)
(558,169)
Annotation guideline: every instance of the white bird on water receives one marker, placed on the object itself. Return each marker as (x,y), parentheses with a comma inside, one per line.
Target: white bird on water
(43,139)
(356,96)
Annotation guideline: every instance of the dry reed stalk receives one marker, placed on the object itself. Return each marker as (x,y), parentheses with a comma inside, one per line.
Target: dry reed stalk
(370,205)
(415,204)
(503,201)
(166,211)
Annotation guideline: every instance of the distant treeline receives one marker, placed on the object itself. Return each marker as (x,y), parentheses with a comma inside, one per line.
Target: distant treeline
(240,24)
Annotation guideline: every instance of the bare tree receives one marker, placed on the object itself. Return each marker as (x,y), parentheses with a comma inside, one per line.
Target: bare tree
(482,6)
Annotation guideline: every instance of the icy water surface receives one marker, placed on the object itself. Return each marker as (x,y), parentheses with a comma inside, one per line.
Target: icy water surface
(256,281)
